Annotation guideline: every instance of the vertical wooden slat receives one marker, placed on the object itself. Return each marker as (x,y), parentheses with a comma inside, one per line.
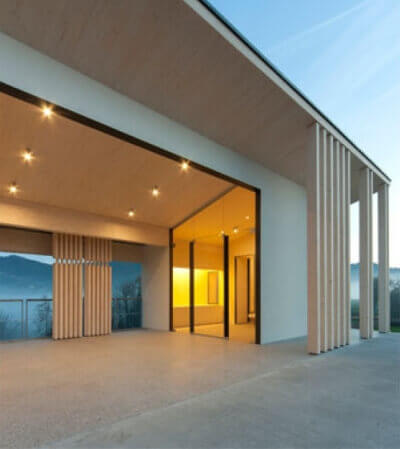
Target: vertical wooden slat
(313,241)
(55,297)
(101,296)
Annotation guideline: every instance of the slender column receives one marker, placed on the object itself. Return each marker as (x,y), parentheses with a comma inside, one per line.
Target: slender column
(383,245)
(330,245)
(226,286)
(191,285)
(371,272)
(347,223)
(323,240)
(313,240)
(343,237)
(337,244)
(365,253)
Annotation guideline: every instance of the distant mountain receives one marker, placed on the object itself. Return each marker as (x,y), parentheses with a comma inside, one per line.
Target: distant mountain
(22,278)
(394,275)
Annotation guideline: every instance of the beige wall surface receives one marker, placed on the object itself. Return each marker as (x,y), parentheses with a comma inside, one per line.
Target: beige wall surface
(28,215)
(283,203)
(22,241)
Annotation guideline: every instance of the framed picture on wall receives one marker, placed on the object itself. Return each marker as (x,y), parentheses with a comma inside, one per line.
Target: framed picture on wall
(213,296)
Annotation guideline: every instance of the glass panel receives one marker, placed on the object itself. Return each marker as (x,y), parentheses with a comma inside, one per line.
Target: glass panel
(181,280)
(11,319)
(126,313)
(209,286)
(242,286)
(127,295)
(39,318)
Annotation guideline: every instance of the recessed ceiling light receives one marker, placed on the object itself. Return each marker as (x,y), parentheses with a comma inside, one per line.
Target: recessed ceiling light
(13,188)
(247,217)
(235,230)
(47,111)
(185,165)
(27,155)
(131,213)
(155,191)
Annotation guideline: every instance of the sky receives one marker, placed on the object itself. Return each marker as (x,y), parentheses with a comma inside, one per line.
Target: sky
(344,55)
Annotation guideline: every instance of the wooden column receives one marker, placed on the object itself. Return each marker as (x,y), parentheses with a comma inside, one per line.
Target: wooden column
(313,241)
(366,281)
(98,287)
(323,241)
(383,258)
(67,286)
(337,245)
(347,246)
(343,251)
(330,245)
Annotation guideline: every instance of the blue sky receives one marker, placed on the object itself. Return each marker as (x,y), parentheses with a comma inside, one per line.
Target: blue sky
(345,56)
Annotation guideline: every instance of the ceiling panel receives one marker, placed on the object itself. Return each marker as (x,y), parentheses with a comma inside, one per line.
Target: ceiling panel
(76,167)
(164,55)
(233,214)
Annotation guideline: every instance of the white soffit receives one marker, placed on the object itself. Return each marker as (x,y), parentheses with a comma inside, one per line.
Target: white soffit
(179,59)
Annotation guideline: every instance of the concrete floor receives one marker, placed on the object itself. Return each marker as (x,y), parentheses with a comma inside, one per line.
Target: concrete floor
(154,389)
(244,333)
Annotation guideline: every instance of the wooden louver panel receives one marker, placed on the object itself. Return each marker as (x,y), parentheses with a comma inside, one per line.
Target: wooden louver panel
(67,286)
(97,307)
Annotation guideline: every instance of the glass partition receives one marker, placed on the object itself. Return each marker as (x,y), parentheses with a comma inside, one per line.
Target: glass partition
(181,286)
(208,263)
(126,295)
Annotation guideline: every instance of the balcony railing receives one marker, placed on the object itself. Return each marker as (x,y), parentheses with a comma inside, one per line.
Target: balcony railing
(32,318)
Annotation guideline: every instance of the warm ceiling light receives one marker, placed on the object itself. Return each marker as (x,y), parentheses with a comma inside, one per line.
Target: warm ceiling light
(155,191)
(131,213)
(235,230)
(222,232)
(47,111)
(27,155)
(185,165)
(247,217)
(13,188)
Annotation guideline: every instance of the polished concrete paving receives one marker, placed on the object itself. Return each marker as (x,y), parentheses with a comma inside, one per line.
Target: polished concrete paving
(244,333)
(154,389)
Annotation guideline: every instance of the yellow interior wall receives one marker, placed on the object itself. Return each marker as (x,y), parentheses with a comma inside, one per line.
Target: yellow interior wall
(181,287)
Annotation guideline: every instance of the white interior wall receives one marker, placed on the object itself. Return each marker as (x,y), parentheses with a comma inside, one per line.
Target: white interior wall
(155,288)
(283,203)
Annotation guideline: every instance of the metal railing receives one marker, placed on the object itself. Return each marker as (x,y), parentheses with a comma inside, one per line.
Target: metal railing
(33,318)
(25,318)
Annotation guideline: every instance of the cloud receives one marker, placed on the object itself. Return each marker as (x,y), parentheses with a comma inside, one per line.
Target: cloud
(299,36)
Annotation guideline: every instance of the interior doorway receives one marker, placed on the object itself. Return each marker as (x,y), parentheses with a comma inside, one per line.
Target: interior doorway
(214,269)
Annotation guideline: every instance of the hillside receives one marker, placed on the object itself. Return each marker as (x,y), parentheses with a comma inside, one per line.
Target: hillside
(25,278)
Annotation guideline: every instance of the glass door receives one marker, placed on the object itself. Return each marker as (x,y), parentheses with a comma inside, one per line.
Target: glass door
(208,286)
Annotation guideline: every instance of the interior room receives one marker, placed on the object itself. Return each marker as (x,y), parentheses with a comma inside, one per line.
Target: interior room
(61,176)
(214,269)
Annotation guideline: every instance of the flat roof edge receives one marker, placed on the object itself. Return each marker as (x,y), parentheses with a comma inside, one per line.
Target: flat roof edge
(224,21)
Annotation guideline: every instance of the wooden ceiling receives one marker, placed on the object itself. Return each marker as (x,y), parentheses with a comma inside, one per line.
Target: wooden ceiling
(79,168)
(233,214)
(164,55)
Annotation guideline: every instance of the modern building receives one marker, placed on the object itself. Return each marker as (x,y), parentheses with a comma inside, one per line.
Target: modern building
(153,132)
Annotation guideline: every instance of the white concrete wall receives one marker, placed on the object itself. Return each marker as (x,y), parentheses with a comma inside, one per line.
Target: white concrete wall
(155,288)
(283,270)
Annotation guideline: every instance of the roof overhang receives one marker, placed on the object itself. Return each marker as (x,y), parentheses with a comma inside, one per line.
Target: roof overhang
(183,60)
